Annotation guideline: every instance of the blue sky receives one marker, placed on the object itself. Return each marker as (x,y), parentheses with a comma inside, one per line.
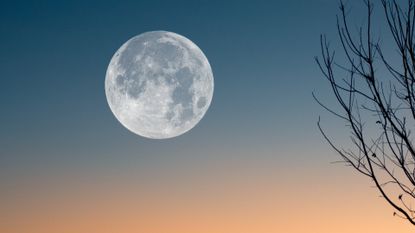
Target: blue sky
(55,55)
(250,165)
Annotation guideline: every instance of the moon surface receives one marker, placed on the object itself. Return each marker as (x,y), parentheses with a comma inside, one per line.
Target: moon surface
(159,84)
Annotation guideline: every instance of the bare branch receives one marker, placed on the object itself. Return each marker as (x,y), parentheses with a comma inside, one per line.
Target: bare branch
(386,102)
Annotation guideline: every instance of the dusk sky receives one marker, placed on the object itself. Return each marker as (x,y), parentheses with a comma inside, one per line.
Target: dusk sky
(255,163)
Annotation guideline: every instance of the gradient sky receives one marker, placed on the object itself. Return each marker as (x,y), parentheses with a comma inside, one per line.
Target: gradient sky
(255,163)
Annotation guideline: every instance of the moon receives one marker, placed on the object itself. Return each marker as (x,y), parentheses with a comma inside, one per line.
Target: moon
(159,84)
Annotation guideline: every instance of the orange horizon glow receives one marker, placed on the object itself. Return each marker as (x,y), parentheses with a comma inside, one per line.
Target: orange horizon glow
(227,198)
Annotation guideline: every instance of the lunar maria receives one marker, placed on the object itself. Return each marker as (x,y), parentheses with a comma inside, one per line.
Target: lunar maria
(159,84)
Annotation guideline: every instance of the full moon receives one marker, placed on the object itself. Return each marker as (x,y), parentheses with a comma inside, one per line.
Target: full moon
(159,84)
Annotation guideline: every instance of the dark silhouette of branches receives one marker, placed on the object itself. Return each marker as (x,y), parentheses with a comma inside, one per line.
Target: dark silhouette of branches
(376,100)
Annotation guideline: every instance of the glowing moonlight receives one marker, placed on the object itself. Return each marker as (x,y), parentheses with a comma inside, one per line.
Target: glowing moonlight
(159,84)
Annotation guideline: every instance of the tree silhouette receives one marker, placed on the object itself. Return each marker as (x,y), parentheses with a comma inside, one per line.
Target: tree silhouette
(376,99)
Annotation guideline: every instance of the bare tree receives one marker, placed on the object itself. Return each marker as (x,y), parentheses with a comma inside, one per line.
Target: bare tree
(376,100)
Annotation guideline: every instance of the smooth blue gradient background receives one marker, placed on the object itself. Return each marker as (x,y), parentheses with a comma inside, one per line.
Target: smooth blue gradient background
(255,163)
(54,115)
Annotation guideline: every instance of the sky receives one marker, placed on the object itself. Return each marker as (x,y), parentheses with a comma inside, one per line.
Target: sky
(256,162)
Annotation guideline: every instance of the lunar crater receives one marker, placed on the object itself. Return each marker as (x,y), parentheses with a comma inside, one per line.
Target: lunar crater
(159,84)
